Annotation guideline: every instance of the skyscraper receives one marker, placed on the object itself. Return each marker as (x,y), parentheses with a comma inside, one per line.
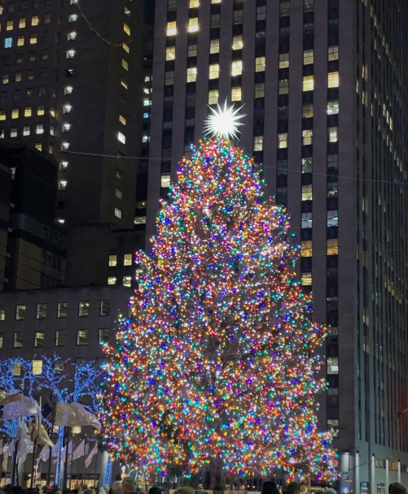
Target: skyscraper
(71,86)
(324,84)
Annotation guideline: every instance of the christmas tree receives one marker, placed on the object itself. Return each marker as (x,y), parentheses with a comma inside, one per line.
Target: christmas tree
(220,355)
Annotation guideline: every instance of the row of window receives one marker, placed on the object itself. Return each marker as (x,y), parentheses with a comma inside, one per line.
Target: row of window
(127,260)
(126,281)
(60,338)
(332,247)
(26,4)
(62,310)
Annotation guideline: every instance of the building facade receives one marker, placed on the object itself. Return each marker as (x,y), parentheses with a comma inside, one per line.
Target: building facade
(324,84)
(70,322)
(34,244)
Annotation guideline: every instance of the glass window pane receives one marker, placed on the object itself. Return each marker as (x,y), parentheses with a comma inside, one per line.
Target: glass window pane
(20,312)
(60,337)
(83,309)
(62,310)
(39,337)
(105,308)
(82,337)
(103,335)
(41,311)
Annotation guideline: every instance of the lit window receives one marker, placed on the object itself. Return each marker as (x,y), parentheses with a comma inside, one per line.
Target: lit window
(283,140)
(307,137)
(194,4)
(66,127)
(17,369)
(40,110)
(67,109)
(1,340)
(118,213)
(35,20)
(28,111)
(236,94)
(127,281)
(260,64)
(13,132)
(306,279)
(64,165)
(121,138)
(124,83)
(213,97)
(8,43)
(170,53)
(71,53)
(5,79)
(332,218)
(258,143)
(122,119)
(261,13)
(62,185)
(333,79)
(33,39)
(307,111)
(38,146)
(118,194)
(113,260)
(103,336)
(284,86)
(83,309)
(214,71)
(60,337)
(215,1)
(307,220)
(127,259)
(126,28)
(192,74)
(169,78)
(171,28)
(119,175)
(333,134)
(308,83)
(146,138)
(333,427)
(68,90)
(20,312)
(41,311)
(73,18)
(72,35)
(333,247)
(236,68)
(9,26)
(125,65)
(62,310)
(15,113)
(37,364)
(332,107)
(260,90)
(332,365)
(39,129)
(22,23)
(307,249)
(215,46)
(26,130)
(237,43)
(192,50)
(3,115)
(333,53)
(307,192)
(18,339)
(308,57)
(140,220)
(2,313)
(47,18)
(112,280)
(284,60)
(193,25)
(165,180)
(105,308)
(39,339)
(82,337)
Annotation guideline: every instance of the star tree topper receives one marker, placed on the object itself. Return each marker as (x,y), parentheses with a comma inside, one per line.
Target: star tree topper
(224,122)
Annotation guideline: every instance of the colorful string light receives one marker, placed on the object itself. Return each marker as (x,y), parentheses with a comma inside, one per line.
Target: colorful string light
(220,355)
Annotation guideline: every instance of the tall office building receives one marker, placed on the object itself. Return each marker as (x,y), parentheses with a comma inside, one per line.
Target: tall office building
(324,84)
(72,87)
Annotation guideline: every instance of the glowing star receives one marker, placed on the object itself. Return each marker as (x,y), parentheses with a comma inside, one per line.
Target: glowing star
(224,122)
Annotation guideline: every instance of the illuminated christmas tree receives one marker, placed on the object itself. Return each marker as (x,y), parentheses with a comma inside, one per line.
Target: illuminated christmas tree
(219,357)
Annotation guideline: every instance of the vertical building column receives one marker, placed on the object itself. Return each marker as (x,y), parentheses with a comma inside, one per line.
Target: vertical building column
(387,474)
(357,486)
(344,472)
(399,471)
(373,487)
